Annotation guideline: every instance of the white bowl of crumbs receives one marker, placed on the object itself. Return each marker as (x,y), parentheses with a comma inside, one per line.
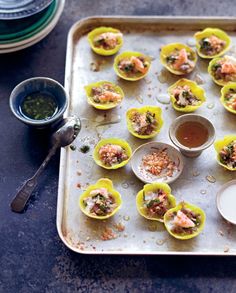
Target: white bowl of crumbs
(157,162)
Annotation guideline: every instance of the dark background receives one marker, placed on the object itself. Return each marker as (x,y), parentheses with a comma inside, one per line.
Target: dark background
(32,257)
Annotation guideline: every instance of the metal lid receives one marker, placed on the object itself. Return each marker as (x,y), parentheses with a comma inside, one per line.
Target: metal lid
(15,9)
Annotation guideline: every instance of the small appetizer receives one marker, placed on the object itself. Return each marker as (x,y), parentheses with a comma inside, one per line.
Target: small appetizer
(228,97)
(112,153)
(132,65)
(154,200)
(101,200)
(104,95)
(223,70)
(105,41)
(184,221)
(226,152)
(186,95)
(144,122)
(211,42)
(178,58)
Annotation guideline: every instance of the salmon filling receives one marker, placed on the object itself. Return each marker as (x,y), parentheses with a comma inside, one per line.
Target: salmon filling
(230,99)
(107,41)
(105,94)
(184,221)
(228,155)
(212,45)
(144,123)
(181,60)
(156,203)
(184,96)
(100,202)
(133,65)
(112,154)
(159,163)
(225,69)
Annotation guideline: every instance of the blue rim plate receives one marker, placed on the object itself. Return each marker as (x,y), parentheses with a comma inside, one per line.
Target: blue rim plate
(12,47)
(34,29)
(15,9)
(10,29)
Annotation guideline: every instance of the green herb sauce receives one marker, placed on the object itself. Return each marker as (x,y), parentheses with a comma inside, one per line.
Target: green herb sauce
(39,106)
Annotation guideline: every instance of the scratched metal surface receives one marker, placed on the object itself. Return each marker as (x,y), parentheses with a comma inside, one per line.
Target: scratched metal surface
(77,170)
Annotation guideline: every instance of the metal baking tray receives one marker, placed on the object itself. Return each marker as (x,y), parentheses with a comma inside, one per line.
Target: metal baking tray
(202,176)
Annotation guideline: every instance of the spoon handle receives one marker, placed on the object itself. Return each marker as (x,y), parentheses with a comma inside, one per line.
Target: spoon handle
(23,195)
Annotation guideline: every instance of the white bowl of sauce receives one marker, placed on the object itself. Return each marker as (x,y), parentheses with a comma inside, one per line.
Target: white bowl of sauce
(192,133)
(226,201)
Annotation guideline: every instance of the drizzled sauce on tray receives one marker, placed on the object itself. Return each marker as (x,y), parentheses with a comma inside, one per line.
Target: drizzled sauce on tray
(192,134)
(39,106)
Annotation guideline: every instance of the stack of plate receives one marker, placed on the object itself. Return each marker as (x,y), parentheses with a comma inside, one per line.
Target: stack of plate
(26,22)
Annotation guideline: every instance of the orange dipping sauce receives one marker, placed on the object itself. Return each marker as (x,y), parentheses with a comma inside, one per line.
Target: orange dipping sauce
(192,134)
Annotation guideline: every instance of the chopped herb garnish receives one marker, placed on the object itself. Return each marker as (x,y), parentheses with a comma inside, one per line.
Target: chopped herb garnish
(171,59)
(103,208)
(72,147)
(205,44)
(84,149)
(128,67)
(150,117)
(152,202)
(216,66)
(185,94)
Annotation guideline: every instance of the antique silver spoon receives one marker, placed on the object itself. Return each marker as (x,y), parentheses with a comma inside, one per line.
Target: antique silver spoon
(62,137)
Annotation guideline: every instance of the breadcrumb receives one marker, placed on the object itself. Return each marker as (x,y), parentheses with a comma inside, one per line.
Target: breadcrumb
(157,162)
(119,227)
(108,234)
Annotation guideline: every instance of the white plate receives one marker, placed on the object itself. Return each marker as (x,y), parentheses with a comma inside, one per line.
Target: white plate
(12,47)
(226,201)
(148,148)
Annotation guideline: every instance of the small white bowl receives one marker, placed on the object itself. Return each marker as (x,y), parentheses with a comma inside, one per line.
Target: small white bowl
(195,151)
(226,201)
(148,148)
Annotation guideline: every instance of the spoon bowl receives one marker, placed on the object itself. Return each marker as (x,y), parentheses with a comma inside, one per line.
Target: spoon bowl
(67,131)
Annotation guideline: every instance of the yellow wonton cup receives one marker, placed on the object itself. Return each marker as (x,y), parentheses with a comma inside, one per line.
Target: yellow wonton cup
(129,54)
(168,220)
(105,106)
(207,33)
(101,183)
(214,61)
(153,187)
(224,91)
(195,89)
(219,144)
(124,144)
(220,82)
(98,31)
(153,109)
(167,51)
